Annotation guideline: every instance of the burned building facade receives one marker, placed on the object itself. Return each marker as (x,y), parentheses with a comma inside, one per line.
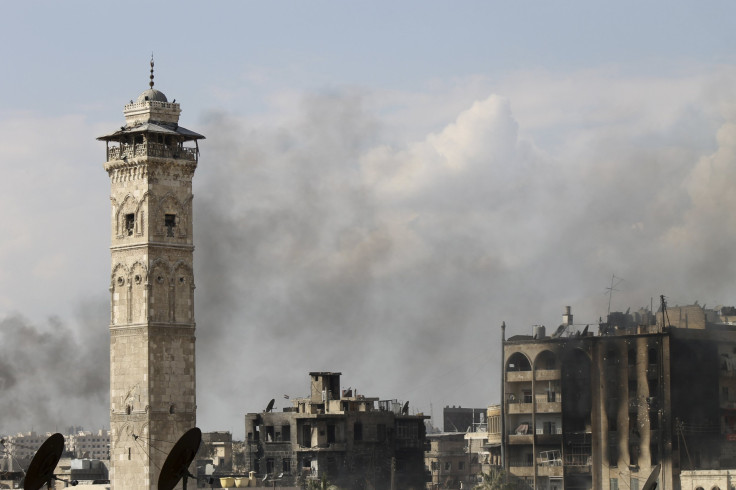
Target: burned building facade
(604,410)
(351,440)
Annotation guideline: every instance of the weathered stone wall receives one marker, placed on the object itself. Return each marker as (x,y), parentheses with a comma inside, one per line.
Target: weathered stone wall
(152,341)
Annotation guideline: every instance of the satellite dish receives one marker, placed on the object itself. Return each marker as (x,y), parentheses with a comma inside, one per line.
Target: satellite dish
(180,457)
(651,482)
(270,405)
(405,408)
(41,469)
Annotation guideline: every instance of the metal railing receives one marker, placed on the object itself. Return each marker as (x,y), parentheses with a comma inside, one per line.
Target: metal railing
(151,150)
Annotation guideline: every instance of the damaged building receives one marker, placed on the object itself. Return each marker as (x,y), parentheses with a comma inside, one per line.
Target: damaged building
(351,440)
(606,409)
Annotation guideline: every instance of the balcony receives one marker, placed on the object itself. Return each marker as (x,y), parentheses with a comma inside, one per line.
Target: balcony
(515,376)
(521,468)
(150,149)
(578,463)
(549,470)
(520,407)
(334,446)
(520,438)
(547,374)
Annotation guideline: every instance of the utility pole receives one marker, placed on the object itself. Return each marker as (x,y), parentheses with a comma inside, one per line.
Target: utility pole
(503,401)
(393,472)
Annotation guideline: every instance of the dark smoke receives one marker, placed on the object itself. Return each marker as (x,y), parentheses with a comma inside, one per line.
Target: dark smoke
(55,375)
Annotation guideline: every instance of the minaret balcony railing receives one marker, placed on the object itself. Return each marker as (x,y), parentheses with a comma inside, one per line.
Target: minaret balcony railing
(148,149)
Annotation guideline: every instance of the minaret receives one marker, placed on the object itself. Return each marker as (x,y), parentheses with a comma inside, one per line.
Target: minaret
(151,162)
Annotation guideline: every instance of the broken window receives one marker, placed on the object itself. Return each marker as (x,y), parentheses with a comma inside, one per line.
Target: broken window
(286,433)
(358,431)
(613,452)
(330,434)
(654,452)
(129,223)
(170,223)
(286,466)
(269,433)
(381,432)
(269,466)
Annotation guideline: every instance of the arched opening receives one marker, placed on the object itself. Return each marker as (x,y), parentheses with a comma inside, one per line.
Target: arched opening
(547,361)
(518,362)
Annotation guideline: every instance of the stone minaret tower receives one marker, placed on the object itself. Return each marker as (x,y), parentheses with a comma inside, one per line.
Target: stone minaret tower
(150,161)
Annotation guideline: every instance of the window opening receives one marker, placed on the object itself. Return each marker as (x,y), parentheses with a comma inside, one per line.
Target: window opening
(170,223)
(129,223)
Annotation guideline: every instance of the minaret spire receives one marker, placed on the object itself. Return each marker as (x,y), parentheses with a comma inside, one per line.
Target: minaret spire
(150,84)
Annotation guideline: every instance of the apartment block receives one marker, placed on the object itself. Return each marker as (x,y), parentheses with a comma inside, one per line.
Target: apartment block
(604,409)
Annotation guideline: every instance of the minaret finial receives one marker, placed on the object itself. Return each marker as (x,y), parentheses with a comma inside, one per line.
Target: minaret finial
(151,82)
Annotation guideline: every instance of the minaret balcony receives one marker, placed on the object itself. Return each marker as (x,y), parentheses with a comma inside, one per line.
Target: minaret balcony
(150,149)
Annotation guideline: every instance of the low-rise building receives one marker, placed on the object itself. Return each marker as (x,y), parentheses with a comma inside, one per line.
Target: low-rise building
(89,445)
(351,440)
(21,447)
(218,447)
(448,461)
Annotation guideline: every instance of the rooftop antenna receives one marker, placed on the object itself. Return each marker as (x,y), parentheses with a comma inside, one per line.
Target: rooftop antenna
(177,462)
(611,289)
(270,405)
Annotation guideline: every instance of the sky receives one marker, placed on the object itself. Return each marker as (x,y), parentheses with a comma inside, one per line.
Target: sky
(382,185)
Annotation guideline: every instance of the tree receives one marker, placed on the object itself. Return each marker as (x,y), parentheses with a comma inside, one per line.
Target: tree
(497,479)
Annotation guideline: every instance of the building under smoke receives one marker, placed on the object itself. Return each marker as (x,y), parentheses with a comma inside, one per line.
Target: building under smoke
(350,440)
(602,410)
